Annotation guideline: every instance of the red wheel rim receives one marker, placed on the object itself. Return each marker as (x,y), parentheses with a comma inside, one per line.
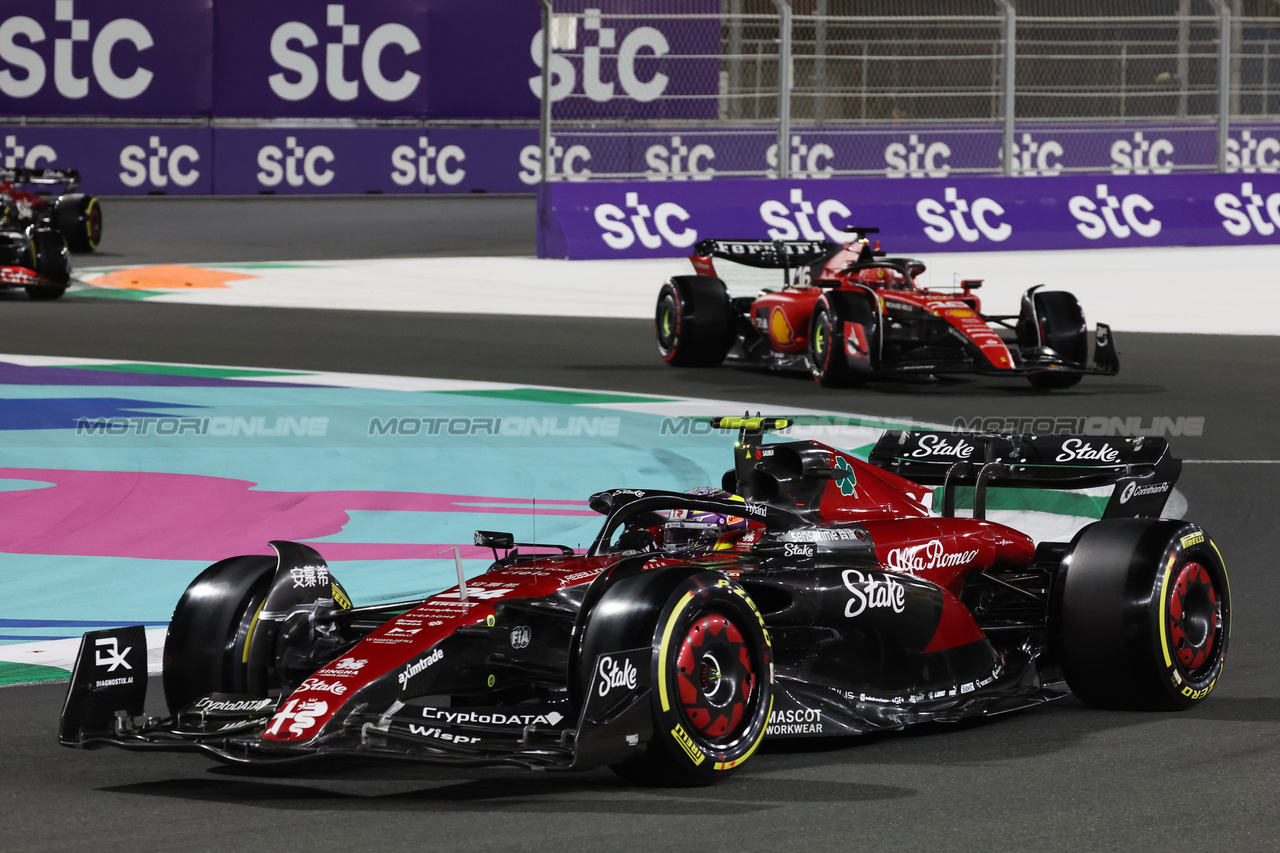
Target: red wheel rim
(1195,619)
(716,677)
(94,225)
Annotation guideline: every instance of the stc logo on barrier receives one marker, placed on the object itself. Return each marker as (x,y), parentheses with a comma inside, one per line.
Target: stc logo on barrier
(157,165)
(1036,159)
(19,35)
(1141,156)
(304,67)
(679,162)
(1238,222)
(571,161)
(623,227)
(428,164)
(1250,155)
(295,165)
(917,160)
(802,220)
(1098,220)
(564,75)
(944,220)
(22,157)
(807,161)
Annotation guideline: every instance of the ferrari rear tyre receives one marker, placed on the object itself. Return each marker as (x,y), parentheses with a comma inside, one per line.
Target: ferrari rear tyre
(206,645)
(712,692)
(1063,330)
(1142,615)
(79,218)
(694,321)
(49,259)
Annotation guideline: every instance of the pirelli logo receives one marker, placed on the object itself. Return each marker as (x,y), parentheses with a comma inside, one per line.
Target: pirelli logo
(695,753)
(1190,539)
(340,599)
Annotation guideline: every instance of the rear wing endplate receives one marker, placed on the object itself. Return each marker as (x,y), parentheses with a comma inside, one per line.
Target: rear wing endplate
(1142,469)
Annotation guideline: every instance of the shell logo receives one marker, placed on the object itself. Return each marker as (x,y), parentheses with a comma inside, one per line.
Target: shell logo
(780,327)
(962,313)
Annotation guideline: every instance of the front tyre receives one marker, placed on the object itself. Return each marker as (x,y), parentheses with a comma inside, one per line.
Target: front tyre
(694,321)
(1143,614)
(1059,322)
(79,218)
(712,693)
(49,258)
(831,355)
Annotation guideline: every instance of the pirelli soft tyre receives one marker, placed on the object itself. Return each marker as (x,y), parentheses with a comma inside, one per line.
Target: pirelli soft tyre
(79,218)
(50,259)
(1142,614)
(694,321)
(205,649)
(829,361)
(712,690)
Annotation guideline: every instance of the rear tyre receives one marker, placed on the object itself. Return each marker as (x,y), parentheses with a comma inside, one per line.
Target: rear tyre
(711,693)
(694,321)
(79,218)
(829,361)
(1063,330)
(208,637)
(1142,614)
(51,260)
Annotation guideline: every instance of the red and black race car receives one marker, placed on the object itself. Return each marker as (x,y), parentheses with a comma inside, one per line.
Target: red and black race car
(811,595)
(48,197)
(848,314)
(35,258)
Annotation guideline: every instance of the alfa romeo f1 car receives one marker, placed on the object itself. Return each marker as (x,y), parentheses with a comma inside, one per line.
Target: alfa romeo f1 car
(48,197)
(35,258)
(848,314)
(811,595)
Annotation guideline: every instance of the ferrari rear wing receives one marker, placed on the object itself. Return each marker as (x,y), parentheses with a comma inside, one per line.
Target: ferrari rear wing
(767,254)
(68,177)
(1142,469)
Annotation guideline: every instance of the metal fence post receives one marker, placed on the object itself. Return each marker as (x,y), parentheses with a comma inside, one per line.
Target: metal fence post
(1224,80)
(784,87)
(544,117)
(1009,93)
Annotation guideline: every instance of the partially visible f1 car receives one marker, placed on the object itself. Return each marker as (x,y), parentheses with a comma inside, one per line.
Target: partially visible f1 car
(48,197)
(848,314)
(812,595)
(35,258)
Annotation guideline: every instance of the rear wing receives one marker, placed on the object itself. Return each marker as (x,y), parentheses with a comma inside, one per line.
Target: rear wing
(1142,469)
(768,254)
(70,178)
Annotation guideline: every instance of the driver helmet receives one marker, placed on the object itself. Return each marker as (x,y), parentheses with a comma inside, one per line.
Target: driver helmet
(697,529)
(881,276)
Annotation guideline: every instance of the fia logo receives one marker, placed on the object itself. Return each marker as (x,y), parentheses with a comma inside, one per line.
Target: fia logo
(298,64)
(521,635)
(158,165)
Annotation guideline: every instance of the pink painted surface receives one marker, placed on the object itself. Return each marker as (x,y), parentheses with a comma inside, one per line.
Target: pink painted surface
(189,517)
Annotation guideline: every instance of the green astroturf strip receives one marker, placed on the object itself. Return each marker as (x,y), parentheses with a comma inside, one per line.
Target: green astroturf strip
(27,673)
(116,293)
(178,370)
(546,395)
(1040,500)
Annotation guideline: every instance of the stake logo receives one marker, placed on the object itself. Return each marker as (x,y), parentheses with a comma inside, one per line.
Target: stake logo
(596,57)
(1096,220)
(301,75)
(106,54)
(954,215)
(157,165)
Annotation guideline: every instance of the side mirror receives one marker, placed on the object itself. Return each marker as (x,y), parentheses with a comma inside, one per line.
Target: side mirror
(495,540)
(971,283)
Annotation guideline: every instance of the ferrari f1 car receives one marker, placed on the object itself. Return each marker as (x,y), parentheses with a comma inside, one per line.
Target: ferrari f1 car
(48,197)
(848,314)
(811,595)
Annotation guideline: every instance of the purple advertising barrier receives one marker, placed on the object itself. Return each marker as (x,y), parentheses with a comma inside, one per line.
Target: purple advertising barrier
(653,220)
(117,160)
(379,159)
(126,58)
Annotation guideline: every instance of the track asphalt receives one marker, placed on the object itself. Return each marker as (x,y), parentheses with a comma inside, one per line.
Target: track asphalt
(1064,777)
